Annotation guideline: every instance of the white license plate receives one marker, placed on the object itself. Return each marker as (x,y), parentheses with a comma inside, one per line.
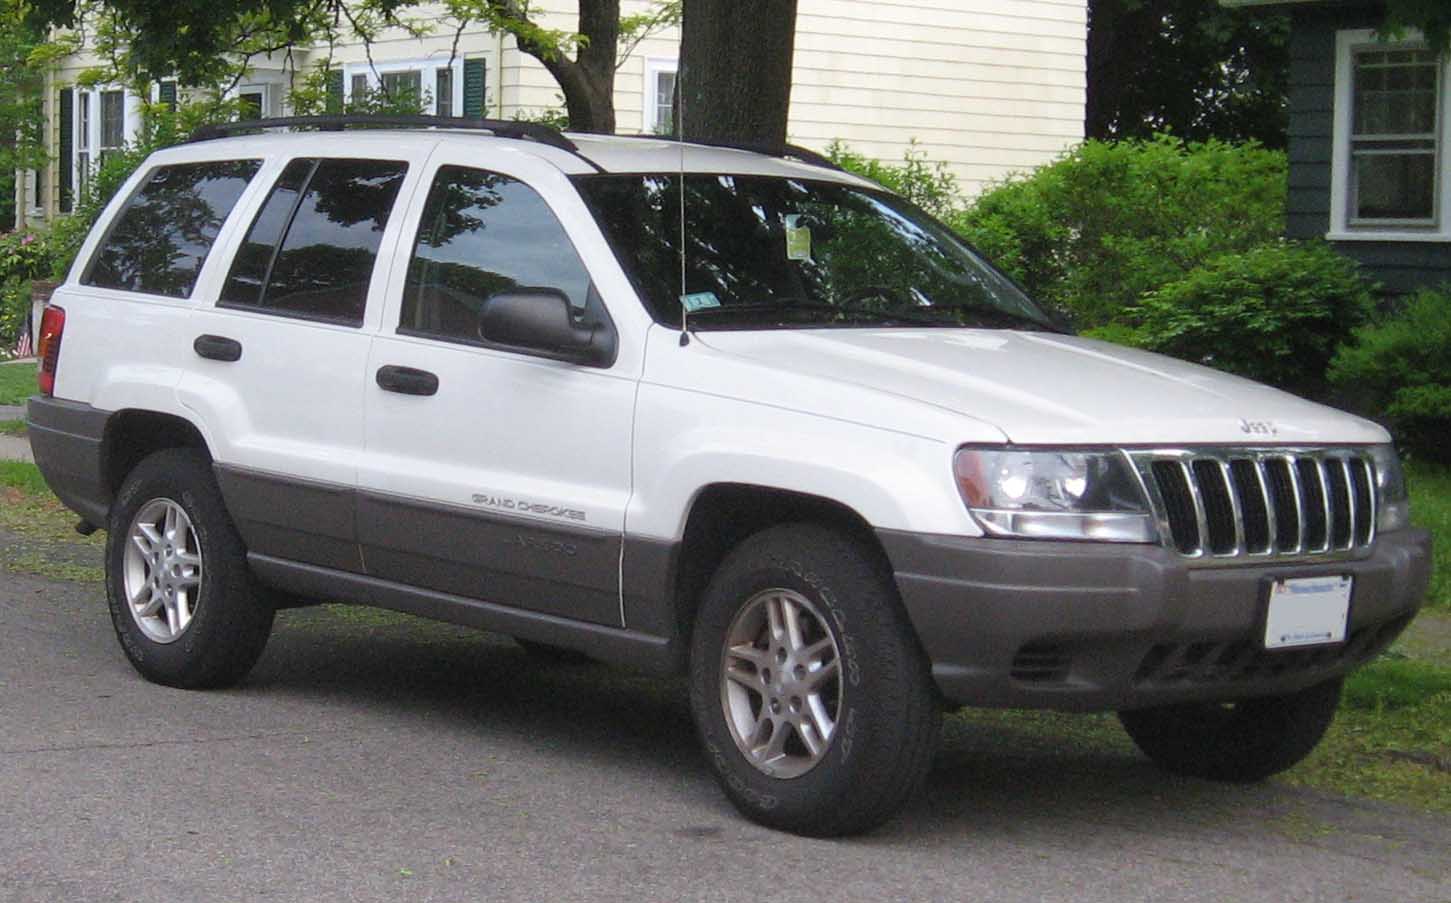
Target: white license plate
(1307,611)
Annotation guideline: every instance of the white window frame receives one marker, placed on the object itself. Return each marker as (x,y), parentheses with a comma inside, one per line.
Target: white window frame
(87,135)
(1341,229)
(428,69)
(260,88)
(653,68)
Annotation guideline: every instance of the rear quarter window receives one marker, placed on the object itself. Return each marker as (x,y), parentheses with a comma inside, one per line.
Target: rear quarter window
(159,241)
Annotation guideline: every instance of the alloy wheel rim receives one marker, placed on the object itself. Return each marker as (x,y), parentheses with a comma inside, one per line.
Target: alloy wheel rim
(162,570)
(781,683)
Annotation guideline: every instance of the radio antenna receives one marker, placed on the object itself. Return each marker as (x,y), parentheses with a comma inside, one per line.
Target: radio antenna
(680,187)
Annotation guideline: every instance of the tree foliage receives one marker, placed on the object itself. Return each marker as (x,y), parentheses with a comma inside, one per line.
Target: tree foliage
(1191,67)
(1091,233)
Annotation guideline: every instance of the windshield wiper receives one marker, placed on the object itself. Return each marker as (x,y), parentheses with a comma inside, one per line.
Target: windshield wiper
(784,310)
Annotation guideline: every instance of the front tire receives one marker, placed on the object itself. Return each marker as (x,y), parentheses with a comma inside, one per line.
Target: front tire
(1244,741)
(811,695)
(186,609)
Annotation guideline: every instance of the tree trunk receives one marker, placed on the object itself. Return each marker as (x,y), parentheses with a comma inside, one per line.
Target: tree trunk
(588,81)
(735,70)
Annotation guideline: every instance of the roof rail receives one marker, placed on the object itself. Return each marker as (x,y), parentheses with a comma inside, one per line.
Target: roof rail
(500,128)
(804,154)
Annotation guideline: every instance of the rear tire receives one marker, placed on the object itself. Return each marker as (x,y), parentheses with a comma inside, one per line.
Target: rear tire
(1244,741)
(810,692)
(184,604)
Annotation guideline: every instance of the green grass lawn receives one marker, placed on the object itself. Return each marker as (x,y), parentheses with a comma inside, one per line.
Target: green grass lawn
(17,383)
(1431,508)
(12,427)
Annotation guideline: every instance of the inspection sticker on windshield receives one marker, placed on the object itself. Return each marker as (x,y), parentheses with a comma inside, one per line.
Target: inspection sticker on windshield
(699,301)
(798,238)
(1307,611)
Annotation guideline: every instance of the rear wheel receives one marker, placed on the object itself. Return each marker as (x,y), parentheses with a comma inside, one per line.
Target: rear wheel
(183,602)
(1248,740)
(811,695)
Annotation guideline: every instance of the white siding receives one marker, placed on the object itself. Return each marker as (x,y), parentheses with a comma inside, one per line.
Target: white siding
(989,87)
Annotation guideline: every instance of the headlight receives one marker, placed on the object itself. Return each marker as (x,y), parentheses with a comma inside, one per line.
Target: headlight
(1392,500)
(1054,494)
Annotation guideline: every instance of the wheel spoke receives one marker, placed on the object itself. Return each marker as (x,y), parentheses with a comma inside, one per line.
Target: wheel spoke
(186,580)
(792,615)
(172,621)
(810,738)
(188,559)
(751,680)
(183,609)
(169,530)
(152,606)
(818,718)
(776,746)
(749,654)
(817,677)
(774,617)
(146,538)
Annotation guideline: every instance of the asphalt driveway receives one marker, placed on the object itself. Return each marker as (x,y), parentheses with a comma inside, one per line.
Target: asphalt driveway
(377,757)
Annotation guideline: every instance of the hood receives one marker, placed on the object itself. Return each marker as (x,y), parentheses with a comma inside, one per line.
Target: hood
(1047,389)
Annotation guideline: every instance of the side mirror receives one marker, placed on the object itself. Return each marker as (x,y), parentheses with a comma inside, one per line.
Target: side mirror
(538,321)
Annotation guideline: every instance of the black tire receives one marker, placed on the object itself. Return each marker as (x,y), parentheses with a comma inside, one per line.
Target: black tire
(1245,741)
(888,719)
(231,615)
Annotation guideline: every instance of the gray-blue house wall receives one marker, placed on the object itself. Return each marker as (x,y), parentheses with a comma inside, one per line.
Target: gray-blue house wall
(1400,266)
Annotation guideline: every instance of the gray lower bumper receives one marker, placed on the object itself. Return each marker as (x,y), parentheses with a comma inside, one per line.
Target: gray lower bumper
(66,438)
(1094,626)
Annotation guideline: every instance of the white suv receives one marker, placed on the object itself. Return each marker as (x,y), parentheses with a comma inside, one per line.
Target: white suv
(705,410)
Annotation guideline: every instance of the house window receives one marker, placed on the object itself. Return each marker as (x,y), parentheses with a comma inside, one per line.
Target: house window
(252,103)
(83,142)
(659,97)
(1392,136)
(430,82)
(113,122)
(443,92)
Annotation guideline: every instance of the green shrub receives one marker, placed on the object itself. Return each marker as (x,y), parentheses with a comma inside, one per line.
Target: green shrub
(1275,313)
(1094,231)
(1401,367)
(931,186)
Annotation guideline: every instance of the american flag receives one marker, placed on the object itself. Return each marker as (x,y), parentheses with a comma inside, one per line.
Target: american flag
(25,347)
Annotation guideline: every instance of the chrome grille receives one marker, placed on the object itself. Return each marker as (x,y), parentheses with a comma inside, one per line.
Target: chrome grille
(1268,503)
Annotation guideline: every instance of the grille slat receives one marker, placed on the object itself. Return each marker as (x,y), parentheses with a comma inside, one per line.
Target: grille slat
(1270,503)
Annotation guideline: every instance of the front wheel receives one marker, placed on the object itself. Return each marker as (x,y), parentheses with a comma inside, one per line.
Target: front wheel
(1243,741)
(184,604)
(810,692)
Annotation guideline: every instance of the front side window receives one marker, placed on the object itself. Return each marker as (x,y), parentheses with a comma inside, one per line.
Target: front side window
(1394,136)
(310,251)
(772,252)
(482,234)
(162,236)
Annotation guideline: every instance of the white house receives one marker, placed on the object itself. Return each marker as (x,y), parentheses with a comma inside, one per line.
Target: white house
(988,87)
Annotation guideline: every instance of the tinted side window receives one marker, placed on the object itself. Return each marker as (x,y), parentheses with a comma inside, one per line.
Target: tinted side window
(161,238)
(483,233)
(329,216)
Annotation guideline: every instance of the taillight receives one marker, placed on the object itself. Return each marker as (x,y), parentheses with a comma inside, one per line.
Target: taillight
(52,324)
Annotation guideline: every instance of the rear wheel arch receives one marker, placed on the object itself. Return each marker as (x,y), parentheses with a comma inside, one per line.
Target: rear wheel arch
(132,435)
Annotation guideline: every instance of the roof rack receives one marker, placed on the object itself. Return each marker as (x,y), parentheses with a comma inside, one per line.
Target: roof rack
(804,154)
(500,128)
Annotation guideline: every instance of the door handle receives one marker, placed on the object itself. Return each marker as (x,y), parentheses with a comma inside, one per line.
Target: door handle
(406,380)
(217,348)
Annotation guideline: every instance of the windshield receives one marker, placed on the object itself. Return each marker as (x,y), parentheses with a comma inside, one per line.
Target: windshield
(772,252)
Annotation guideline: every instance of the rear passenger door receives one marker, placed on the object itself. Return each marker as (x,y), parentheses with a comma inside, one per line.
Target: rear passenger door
(491,473)
(278,362)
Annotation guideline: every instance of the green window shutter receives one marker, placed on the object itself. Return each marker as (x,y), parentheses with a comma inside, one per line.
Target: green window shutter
(334,91)
(166,93)
(474,80)
(66,110)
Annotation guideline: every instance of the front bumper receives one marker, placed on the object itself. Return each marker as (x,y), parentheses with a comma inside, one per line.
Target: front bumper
(1098,626)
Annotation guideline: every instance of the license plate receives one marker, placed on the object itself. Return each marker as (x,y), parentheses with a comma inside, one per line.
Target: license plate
(1307,611)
